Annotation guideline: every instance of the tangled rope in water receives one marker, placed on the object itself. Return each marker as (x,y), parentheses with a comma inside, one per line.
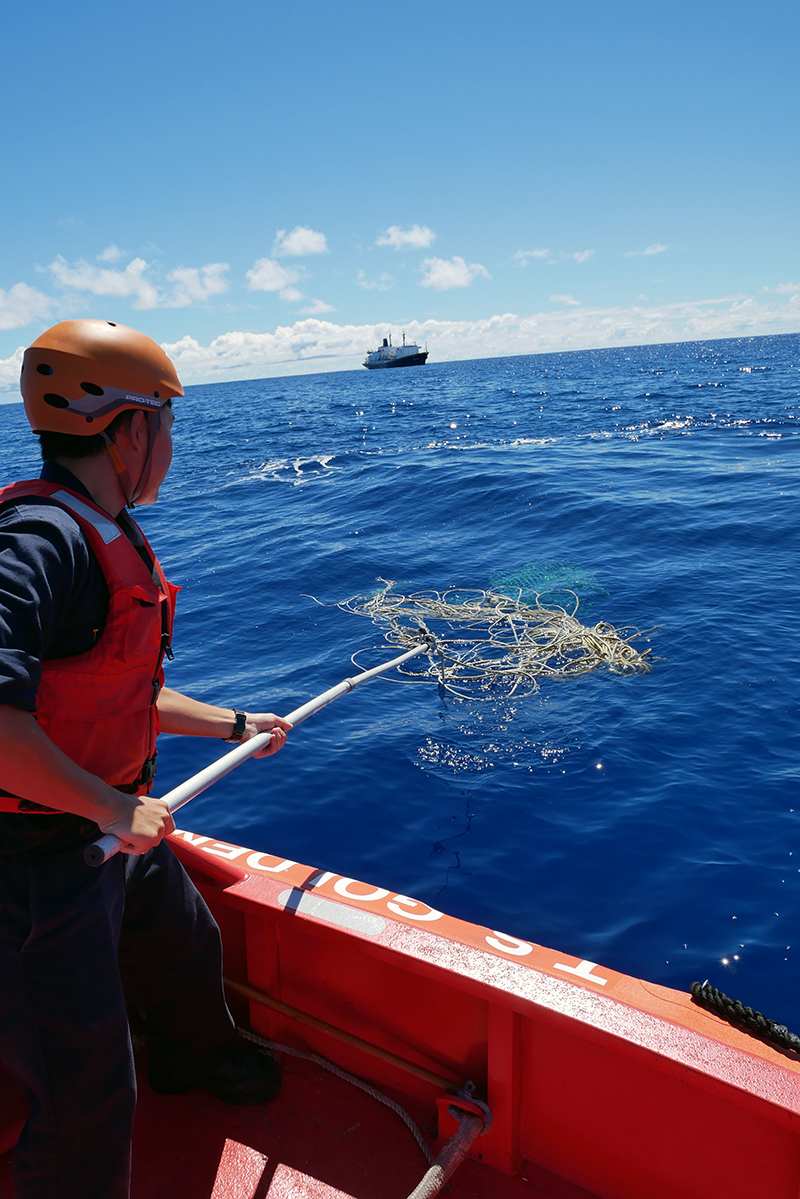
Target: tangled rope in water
(479,641)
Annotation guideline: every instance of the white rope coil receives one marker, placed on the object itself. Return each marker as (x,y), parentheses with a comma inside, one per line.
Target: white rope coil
(482,641)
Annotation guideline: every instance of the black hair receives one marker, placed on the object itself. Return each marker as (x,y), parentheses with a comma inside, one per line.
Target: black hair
(68,445)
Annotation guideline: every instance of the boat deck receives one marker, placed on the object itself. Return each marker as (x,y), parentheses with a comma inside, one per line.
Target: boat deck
(624,1086)
(319,1126)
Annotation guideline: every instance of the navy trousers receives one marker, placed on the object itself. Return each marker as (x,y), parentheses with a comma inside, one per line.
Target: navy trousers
(77,946)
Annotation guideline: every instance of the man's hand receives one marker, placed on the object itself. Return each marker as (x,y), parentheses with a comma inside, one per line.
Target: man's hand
(36,769)
(140,824)
(263,722)
(191,718)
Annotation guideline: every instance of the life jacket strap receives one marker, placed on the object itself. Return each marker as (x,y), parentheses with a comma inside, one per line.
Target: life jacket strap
(145,778)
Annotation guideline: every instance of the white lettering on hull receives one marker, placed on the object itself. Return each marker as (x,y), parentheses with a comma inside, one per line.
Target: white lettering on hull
(394,905)
(342,887)
(519,949)
(300,900)
(256,862)
(192,838)
(228,852)
(582,970)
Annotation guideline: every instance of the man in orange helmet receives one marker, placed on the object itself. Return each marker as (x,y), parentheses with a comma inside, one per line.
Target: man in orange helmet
(85,622)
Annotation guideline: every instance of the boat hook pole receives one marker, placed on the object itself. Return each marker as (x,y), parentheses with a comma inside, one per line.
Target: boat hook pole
(103,849)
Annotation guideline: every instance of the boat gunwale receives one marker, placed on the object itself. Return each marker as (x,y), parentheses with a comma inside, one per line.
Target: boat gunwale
(660,1023)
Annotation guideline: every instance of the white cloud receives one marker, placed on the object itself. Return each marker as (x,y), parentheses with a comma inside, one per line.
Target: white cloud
(299,242)
(291,295)
(418,237)
(559,299)
(268,275)
(444,274)
(523,257)
(21,305)
(193,286)
(656,248)
(317,345)
(384,283)
(10,369)
(318,308)
(102,282)
(111,253)
(784,289)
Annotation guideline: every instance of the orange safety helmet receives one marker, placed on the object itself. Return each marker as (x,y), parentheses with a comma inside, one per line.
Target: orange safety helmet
(79,375)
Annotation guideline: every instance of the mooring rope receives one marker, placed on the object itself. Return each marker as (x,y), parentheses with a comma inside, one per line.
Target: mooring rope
(482,640)
(452,1155)
(745,1017)
(347,1077)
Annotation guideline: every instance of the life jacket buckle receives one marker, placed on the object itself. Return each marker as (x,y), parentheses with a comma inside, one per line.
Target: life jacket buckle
(146,777)
(148,770)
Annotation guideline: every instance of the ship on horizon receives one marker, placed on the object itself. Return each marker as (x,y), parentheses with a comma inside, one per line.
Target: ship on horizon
(388,355)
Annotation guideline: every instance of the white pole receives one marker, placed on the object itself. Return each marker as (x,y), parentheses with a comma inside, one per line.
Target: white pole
(103,849)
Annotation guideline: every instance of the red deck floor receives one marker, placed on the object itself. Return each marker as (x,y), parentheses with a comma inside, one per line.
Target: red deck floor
(319,1126)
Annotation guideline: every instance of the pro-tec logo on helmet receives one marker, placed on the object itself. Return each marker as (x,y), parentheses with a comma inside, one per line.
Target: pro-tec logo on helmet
(144,400)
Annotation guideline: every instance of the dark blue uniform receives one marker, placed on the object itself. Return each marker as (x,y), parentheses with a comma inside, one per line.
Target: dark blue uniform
(79,945)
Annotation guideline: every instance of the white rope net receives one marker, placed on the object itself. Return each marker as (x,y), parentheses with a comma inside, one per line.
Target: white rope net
(484,642)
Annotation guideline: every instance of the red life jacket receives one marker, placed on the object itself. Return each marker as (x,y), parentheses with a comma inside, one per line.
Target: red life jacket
(99,707)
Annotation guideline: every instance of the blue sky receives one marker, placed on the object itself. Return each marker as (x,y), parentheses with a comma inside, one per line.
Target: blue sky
(268,187)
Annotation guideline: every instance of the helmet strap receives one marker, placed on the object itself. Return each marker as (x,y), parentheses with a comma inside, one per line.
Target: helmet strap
(123,474)
(153,421)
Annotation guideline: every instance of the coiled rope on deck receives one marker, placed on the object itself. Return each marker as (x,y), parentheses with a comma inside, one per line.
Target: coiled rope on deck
(744,1017)
(482,640)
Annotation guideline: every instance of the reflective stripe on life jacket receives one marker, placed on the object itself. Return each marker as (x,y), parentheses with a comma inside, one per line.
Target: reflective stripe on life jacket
(99,707)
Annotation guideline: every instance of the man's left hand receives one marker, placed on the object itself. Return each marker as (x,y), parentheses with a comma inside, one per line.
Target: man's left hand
(263,722)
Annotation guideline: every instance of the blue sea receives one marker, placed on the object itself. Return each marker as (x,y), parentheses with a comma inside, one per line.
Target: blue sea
(648,822)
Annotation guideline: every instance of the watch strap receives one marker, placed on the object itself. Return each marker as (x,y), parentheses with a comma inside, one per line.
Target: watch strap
(239,722)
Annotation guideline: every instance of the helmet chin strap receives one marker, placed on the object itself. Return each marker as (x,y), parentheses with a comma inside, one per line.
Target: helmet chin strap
(123,474)
(130,491)
(153,421)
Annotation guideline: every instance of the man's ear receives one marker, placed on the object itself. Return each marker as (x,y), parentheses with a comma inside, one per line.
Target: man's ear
(138,430)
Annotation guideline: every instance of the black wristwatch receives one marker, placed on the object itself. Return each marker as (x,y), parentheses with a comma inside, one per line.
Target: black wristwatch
(240,720)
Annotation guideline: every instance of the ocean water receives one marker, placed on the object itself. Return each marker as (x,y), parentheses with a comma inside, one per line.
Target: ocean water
(650,823)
